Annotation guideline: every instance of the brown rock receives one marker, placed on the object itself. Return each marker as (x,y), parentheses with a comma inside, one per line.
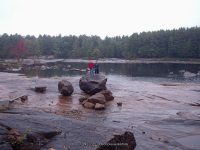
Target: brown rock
(108,95)
(40,89)
(51,148)
(4,105)
(88,105)
(24,98)
(65,88)
(81,99)
(99,106)
(119,104)
(125,141)
(13,135)
(93,84)
(97,98)
(84,102)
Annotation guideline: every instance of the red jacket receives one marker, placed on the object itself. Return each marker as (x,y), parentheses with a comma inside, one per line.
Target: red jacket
(91,65)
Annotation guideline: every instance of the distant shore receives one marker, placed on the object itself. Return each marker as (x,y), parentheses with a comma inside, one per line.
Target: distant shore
(111,60)
(140,60)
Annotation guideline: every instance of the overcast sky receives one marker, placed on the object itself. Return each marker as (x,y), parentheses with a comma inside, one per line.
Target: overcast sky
(96,17)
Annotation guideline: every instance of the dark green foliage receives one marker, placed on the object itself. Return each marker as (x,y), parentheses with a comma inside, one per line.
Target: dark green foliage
(181,43)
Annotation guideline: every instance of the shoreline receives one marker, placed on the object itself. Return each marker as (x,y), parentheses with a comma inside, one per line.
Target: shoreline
(108,60)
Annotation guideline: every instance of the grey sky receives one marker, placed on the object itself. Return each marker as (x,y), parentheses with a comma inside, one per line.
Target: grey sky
(96,17)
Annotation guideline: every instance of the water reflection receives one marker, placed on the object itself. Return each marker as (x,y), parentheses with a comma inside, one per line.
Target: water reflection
(166,70)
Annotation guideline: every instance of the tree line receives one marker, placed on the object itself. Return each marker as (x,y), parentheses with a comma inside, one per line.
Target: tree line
(176,43)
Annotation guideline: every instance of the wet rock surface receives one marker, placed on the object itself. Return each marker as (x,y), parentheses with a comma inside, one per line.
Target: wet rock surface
(6,146)
(43,130)
(157,115)
(5,105)
(93,84)
(23,131)
(65,88)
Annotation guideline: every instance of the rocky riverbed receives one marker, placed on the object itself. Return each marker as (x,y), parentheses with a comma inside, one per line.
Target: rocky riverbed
(162,113)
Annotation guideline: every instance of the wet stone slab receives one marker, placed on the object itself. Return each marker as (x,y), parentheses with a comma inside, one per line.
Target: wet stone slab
(157,114)
(73,134)
(191,142)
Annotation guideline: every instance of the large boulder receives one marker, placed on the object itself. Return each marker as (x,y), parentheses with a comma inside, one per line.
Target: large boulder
(65,88)
(93,84)
(97,98)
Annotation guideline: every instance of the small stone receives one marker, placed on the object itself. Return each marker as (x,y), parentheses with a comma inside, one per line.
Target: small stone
(108,95)
(116,121)
(51,148)
(84,102)
(13,135)
(97,98)
(88,105)
(40,89)
(81,99)
(119,104)
(99,106)
(24,98)
(165,141)
(4,105)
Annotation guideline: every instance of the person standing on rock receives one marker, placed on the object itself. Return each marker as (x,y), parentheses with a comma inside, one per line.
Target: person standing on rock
(91,67)
(96,67)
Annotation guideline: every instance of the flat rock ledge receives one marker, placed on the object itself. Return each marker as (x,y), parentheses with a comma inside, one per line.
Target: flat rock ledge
(37,130)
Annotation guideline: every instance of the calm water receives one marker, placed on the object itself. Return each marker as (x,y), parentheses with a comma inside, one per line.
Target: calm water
(182,72)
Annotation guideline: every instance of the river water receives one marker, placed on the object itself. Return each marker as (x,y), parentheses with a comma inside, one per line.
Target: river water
(159,101)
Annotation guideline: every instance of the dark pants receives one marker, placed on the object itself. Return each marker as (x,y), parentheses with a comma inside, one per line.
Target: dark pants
(96,70)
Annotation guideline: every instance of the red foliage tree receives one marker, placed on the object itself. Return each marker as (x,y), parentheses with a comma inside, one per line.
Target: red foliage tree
(19,49)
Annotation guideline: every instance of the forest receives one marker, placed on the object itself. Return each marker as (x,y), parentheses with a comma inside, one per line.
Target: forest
(176,43)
